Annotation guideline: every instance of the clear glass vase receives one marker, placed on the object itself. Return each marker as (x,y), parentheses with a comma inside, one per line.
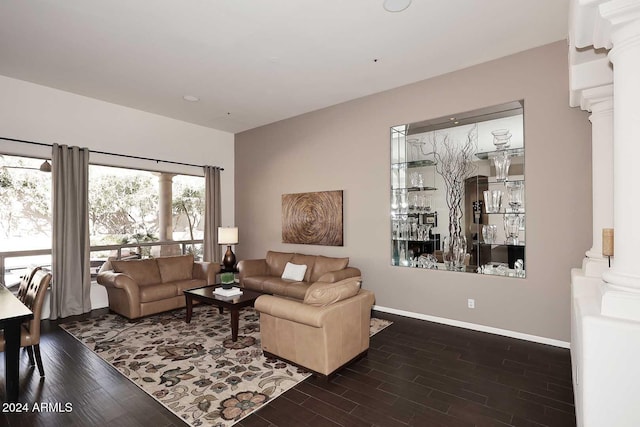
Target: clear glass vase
(512,223)
(454,252)
(515,190)
(502,161)
(492,200)
(501,138)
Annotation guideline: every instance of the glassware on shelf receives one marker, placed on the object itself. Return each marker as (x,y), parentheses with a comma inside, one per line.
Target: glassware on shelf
(518,266)
(404,204)
(501,138)
(502,270)
(413,202)
(403,257)
(394,203)
(454,252)
(416,179)
(423,232)
(423,203)
(419,203)
(414,146)
(489,233)
(395,178)
(512,223)
(492,200)
(403,233)
(413,228)
(460,253)
(515,190)
(427,261)
(502,161)
(413,179)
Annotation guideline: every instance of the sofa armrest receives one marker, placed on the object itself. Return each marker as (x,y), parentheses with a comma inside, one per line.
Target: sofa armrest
(296,311)
(206,271)
(336,276)
(110,279)
(252,267)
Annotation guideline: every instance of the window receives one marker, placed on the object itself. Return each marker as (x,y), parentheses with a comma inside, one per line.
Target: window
(188,211)
(126,206)
(25,217)
(123,206)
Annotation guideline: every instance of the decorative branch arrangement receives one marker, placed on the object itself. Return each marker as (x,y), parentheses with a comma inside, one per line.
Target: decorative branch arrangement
(454,162)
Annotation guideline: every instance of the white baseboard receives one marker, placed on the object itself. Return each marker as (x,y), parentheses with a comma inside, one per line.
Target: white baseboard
(475,327)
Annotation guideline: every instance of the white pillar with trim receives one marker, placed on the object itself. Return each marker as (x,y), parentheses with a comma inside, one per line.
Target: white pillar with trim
(605,310)
(599,100)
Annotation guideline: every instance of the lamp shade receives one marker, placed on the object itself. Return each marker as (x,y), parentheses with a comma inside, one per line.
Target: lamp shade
(227,235)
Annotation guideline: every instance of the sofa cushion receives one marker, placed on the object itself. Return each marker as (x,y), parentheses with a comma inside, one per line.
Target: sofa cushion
(294,272)
(321,294)
(174,268)
(157,292)
(183,285)
(325,264)
(255,282)
(308,260)
(295,290)
(276,261)
(143,271)
(279,286)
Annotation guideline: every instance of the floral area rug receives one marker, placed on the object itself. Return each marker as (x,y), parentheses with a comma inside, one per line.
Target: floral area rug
(195,370)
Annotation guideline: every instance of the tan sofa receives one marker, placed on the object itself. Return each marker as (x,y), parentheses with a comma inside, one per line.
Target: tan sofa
(138,288)
(325,331)
(265,275)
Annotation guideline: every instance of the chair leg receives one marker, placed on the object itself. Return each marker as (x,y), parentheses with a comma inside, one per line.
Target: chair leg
(36,349)
(30,353)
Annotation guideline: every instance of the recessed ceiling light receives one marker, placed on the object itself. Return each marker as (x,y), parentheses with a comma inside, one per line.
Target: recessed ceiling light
(191,98)
(396,5)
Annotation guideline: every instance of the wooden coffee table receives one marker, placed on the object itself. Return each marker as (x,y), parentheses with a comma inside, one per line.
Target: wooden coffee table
(233,304)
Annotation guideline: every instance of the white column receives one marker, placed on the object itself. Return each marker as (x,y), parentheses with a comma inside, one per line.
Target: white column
(621,293)
(599,101)
(165,181)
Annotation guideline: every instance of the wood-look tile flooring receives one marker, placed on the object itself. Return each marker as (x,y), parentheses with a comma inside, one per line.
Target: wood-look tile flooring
(416,373)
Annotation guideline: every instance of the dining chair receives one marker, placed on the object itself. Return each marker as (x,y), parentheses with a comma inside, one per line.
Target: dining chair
(33,297)
(24,283)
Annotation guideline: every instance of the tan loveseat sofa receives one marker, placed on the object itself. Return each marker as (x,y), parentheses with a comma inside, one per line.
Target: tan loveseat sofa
(325,331)
(138,288)
(265,275)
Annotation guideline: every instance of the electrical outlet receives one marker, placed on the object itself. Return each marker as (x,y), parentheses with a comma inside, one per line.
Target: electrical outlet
(471,303)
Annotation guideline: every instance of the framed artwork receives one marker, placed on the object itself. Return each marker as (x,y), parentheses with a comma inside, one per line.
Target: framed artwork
(312,218)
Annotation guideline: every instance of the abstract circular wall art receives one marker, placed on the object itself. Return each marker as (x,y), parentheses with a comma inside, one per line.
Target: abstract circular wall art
(312,218)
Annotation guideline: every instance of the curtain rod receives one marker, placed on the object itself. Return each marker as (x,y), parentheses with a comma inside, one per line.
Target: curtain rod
(111,154)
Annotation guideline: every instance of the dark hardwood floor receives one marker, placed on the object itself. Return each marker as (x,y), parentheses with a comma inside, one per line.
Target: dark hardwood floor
(416,373)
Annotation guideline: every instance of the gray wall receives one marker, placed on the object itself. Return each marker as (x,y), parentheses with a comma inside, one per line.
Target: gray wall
(346,147)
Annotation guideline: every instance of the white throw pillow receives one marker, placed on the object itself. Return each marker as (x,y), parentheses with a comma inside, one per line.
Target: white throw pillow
(294,272)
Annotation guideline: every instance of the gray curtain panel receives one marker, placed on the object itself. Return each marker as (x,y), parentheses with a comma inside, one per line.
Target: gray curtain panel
(212,215)
(71,285)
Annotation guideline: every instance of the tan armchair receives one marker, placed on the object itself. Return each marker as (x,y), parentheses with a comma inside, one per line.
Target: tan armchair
(322,333)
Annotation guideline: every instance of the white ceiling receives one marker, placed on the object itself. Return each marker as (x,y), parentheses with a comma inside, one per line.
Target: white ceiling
(253,62)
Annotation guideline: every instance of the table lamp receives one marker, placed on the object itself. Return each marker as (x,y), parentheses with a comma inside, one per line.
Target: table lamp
(228,236)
